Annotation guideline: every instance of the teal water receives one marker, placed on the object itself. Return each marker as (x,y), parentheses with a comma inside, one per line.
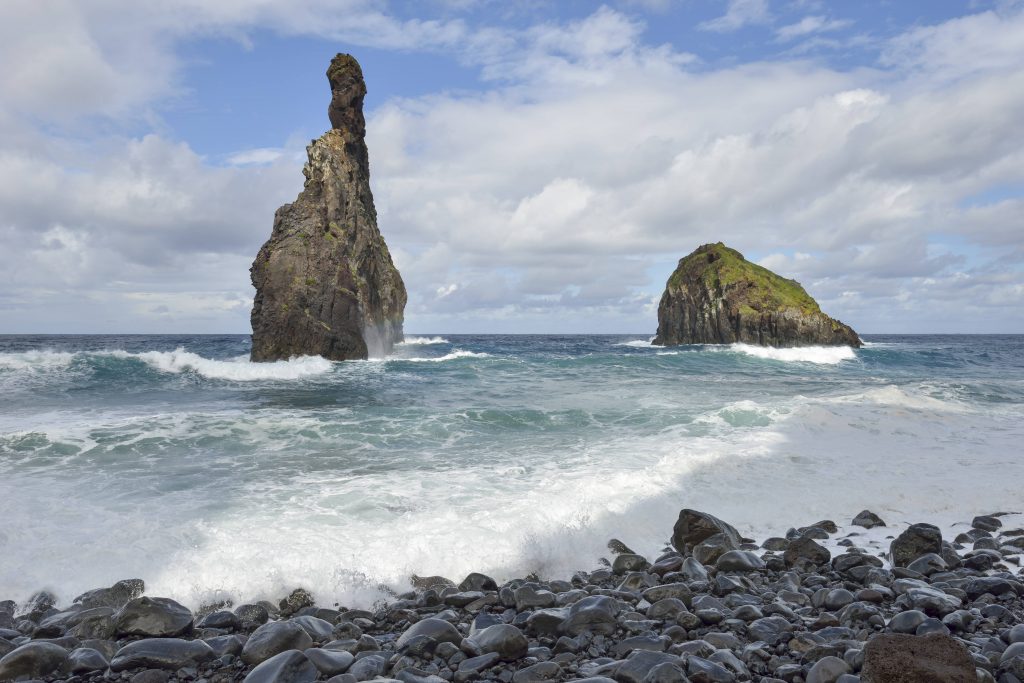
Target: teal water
(175,460)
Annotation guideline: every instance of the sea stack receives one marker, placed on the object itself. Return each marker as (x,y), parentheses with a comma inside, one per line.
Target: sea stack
(715,296)
(325,283)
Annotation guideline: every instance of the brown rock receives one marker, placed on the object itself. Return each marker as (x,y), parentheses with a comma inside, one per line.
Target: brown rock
(325,282)
(896,658)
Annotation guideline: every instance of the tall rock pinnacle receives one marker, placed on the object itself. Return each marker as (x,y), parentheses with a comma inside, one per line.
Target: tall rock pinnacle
(325,283)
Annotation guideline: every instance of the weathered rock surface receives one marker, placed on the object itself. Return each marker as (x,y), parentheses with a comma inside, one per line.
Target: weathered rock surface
(161,653)
(895,658)
(153,617)
(715,296)
(33,660)
(917,540)
(325,282)
(290,666)
(274,638)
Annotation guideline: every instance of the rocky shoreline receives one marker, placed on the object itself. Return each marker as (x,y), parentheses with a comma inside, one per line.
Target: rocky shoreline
(713,608)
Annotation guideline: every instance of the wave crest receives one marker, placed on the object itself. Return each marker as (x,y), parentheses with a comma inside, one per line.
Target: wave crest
(239,369)
(825,355)
(423,341)
(35,360)
(638,343)
(458,353)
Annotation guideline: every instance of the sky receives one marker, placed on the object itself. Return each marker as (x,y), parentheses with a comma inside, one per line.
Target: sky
(538,167)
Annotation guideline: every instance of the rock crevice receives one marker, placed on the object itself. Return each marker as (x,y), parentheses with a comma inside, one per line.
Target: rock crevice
(325,282)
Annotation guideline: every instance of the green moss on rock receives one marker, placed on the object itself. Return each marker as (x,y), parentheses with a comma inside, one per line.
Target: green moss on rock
(715,296)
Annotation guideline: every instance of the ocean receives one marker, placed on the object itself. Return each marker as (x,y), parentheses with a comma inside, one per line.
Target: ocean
(175,460)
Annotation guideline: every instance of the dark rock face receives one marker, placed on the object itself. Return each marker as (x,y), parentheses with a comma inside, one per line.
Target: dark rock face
(715,296)
(161,653)
(918,540)
(153,618)
(290,666)
(274,638)
(325,283)
(895,658)
(33,660)
(694,527)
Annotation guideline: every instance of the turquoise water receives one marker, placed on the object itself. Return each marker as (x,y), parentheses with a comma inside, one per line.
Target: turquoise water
(175,460)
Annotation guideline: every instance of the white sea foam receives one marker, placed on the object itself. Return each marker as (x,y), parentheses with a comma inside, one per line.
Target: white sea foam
(919,398)
(251,500)
(827,355)
(639,343)
(340,531)
(423,341)
(454,355)
(238,369)
(35,360)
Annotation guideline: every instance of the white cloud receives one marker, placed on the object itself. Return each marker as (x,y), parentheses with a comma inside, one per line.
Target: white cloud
(810,25)
(558,198)
(977,43)
(739,13)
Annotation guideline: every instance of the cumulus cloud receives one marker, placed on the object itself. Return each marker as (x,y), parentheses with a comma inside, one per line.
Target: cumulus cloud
(557,196)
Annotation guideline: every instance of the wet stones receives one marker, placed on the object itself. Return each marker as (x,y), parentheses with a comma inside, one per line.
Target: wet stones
(636,667)
(739,561)
(478,582)
(629,562)
(827,670)
(290,666)
(153,618)
(504,639)
(116,597)
(805,551)
(988,523)
(221,619)
(595,614)
(34,660)
(743,617)
(694,528)
(330,662)
(274,638)
(438,630)
(867,519)
(161,653)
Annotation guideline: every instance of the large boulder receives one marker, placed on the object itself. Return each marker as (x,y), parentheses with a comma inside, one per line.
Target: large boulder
(595,614)
(694,527)
(274,638)
(805,551)
(161,653)
(153,618)
(34,660)
(715,296)
(117,596)
(436,629)
(290,666)
(505,639)
(325,282)
(917,540)
(896,658)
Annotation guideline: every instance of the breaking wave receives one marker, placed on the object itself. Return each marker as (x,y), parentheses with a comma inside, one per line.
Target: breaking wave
(828,355)
(423,341)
